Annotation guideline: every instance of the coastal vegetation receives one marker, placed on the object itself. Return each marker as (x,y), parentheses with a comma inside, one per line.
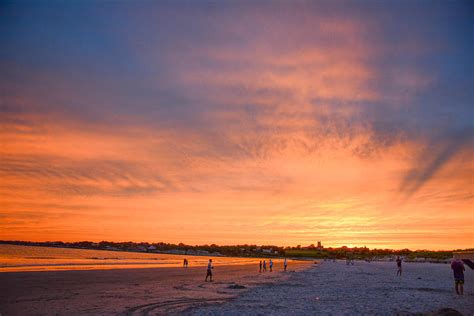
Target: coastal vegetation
(361,253)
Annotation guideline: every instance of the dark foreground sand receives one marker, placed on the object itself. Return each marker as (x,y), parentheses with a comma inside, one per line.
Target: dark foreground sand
(128,291)
(326,288)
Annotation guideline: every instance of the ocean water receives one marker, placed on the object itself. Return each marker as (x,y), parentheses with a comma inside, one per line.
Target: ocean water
(14,258)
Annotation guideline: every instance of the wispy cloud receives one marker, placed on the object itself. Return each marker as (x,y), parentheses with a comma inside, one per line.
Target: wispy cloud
(433,158)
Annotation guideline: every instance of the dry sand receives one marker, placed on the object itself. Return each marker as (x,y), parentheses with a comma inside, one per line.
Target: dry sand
(359,289)
(327,288)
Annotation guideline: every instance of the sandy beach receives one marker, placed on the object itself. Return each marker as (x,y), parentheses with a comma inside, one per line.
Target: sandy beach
(327,288)
(359,289)
(128,291)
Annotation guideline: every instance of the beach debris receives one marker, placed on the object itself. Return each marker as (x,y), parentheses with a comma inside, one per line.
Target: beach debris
(236,287)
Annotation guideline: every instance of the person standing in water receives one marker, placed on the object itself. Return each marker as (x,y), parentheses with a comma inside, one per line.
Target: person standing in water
(209,270)
(458,270)
(285,264)
(264,266)
(270,263)
(260,266)
(399,266)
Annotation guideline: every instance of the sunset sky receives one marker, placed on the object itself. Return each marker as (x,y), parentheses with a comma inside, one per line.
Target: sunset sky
(238,122)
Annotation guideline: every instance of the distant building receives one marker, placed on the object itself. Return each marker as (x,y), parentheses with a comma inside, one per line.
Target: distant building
(111,248)
(176,251)
(202,252)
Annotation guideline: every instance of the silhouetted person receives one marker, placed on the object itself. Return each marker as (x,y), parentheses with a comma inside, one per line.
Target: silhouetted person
(399,266)
(285,264)
(264,266)
(209,270)
(270,263)
(260,266)
(458,270)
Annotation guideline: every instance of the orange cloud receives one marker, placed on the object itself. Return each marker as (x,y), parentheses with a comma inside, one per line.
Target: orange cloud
(273,128)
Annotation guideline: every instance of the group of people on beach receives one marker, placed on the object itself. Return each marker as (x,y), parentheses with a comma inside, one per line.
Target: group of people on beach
(209,268)
(456,265)
(263,265)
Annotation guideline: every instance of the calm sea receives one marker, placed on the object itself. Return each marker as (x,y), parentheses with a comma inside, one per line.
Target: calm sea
(28,258)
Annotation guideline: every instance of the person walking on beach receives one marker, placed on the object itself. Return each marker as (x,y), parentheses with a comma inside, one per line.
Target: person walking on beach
(185,263)
(270,263)
(264,266)
(458,270)
(399,266)
(260,266)
(209,270)
(285,264)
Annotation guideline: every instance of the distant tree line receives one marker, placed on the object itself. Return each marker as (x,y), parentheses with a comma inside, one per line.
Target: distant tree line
(246,250)
(364,253)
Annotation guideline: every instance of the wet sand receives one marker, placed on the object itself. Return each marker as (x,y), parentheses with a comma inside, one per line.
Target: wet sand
(128,291)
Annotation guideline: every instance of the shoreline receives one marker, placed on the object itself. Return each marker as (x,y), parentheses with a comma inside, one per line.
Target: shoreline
(82,267)
(104,260)
(35,258)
